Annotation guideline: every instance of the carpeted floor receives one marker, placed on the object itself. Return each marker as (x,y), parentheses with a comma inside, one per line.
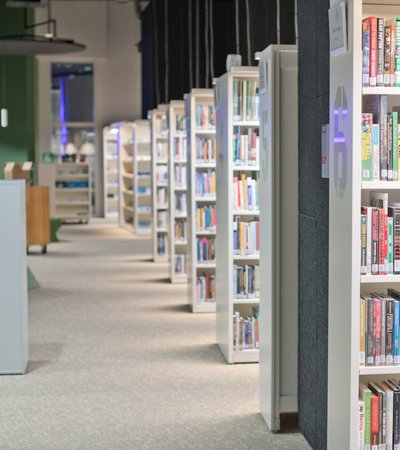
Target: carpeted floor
(118,362)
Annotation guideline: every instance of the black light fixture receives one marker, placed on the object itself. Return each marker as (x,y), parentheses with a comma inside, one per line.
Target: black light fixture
(37,45)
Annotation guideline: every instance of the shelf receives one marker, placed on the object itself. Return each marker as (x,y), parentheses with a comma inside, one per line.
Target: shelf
(381,90)
(180,188)
(205,131)
(380,185)
(246,301)
(380,370)
(255,212)
(206,265)
(246,356)
(205,233)
(246,123)
(246,257)
(162,230)
(143,158)
(179,278)
(245,168)
(204,307)
(72,203)
(162,138)
(210,165)
(71,190)
(75,177)
(162,161)
(180,243)
(162,207)
(206,199)
(380,279)
(180,216)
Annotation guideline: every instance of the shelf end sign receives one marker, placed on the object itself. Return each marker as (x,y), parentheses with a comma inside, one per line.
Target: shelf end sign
(338,29)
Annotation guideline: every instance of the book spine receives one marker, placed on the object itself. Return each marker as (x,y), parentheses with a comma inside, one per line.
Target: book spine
(389,332)
(396,324)
(395,145)
(392,28)
(386,63)
(375,152)
(370,336)
(389,147)
(374,422)
(380,51)
(366,146)
(377,331)
(361,425)
(364,267)
(390,245)
(366,38)
(382,244)
(383,332)
(397,54)
(363,326)
(373,55)
(395,213)
(375,242)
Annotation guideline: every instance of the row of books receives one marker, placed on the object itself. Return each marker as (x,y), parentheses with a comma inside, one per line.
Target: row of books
(180,147)
(205,250)
(162,218)
(380,236)
(245,331)
(180,230)
(246,281)
(206,184)
(180,264)
(206,150)
(380,147)
(246,147)
(161,196)
(245,100)
(205,116)
(379,415)
(162,174)
(162,150)
(379,329)
(206,218)
(180,203)
(162,244)
(205,287)
(246,237)
(381,51)
(180,176)
(246,192)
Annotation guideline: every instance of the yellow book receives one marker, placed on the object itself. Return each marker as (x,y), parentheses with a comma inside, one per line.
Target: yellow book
(244,190)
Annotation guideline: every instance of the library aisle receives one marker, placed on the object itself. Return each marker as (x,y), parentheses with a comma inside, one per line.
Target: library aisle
(118,362)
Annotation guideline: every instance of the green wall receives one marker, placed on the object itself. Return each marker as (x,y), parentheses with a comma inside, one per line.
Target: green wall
(17,141)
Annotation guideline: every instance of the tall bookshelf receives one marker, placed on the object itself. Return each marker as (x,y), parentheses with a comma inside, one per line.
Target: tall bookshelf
(142,177)
(125,151)
(160,156)
(279,229)
(236,101)
(110,165)
(201,163)
(348,192)
(178,191)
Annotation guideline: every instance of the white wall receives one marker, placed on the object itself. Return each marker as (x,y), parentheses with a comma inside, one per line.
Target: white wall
(111,32)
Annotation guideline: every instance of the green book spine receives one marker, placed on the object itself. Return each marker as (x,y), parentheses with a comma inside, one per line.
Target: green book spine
(367,417)
(395,145)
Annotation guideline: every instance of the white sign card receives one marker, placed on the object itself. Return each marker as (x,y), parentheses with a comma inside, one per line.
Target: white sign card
(338,29)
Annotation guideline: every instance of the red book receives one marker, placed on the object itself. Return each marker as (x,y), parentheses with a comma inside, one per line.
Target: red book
(392,51)
(383,242)
(374,420)
(373,52)
(377,330)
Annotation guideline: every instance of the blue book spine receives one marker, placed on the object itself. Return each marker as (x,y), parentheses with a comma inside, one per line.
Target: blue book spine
(396,333)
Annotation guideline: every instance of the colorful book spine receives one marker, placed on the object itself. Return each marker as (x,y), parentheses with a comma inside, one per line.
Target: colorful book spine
(366,146)
(380,51)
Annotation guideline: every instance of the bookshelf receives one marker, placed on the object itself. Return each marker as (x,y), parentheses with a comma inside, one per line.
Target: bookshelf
(279,228)
(348,192)
(142,177)
(201,162)
(110,165)
(125,152)
(178,191)
(70,190)
(236,101)
(160,156)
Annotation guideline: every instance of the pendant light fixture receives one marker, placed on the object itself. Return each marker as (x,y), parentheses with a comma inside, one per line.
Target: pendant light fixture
(47,44)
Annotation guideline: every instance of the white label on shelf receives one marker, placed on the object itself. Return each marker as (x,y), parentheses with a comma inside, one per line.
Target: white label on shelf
(338,29)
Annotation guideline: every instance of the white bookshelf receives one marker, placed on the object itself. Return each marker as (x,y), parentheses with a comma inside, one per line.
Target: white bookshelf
(110,165)
(160,199)
(70,190)
(178,191)
(279,229)
(347,193)
(199,135)
(142,177)
(125,152)
(227,125)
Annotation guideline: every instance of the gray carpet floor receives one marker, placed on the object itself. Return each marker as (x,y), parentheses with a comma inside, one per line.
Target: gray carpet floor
(118,362)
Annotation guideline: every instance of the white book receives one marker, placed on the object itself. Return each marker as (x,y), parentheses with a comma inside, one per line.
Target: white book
(375,153)
(361,424)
